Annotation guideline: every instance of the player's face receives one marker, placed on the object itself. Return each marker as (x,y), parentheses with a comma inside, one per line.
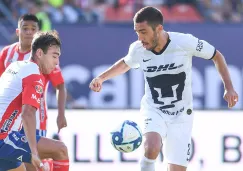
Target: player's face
(26,31)
(51,59)
(146,34)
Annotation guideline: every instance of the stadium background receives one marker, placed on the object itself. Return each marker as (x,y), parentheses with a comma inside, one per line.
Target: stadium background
(96,33)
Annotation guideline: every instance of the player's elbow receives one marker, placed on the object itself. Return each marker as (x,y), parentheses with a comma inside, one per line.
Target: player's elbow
(218,57)
(125,67)
(61,87)
(28,111)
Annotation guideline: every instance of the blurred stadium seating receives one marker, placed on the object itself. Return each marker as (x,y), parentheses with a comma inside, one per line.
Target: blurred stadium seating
(90,11)
(184,13)
(119,14)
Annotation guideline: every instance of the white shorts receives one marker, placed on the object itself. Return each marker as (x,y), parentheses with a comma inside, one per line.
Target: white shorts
(176,137)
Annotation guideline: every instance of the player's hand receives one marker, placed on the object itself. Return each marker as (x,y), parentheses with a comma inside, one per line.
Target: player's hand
(61,122)
(36,162)
(96,84)
(231,97)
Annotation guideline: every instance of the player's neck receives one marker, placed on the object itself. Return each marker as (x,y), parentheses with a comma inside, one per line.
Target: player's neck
(35,60)
(23,48)
(163,41)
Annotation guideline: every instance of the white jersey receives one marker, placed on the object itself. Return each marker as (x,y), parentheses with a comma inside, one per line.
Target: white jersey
(167,74)
(21,83)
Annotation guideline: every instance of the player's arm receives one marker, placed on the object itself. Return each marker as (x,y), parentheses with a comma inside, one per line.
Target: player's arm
(120,67)
(61,102)
(57,81)
(221,65)
(29,124)
(116,69)
(203,49)
(32,91)
(61,98)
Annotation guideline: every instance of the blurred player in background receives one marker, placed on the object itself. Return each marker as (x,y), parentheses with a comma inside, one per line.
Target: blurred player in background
(27,27)
(21,90)
(166,60)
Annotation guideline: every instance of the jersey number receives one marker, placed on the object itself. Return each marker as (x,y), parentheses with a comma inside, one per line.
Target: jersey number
(167,89)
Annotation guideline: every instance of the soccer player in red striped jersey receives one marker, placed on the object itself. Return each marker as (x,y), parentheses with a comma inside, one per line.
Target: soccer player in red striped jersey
(27,27)
(21,90)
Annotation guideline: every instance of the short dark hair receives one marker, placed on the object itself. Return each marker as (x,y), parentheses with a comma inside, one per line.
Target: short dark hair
(28,17)
(44,40)
(152,15)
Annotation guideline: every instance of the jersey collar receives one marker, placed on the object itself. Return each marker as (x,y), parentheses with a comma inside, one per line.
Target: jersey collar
(164,48)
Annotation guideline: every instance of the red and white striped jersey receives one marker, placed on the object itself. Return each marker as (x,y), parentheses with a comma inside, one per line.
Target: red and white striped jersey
(11,54)
(21,84)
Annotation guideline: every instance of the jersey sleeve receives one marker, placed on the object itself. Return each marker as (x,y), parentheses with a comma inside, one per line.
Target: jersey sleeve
(56,77)
(32,90)
(3,55)
(199,48)
(131,59)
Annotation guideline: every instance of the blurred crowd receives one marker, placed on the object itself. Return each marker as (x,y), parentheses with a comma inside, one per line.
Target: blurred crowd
(98,11)
(222,10)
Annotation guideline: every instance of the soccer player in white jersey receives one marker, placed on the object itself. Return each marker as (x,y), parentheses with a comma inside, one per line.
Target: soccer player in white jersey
(27,27)
(166,60)
(22,86)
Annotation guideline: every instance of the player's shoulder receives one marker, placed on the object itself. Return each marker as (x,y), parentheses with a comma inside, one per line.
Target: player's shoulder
(136,45)
(28,65)
(6,48)
(180,37)
(25,67)
(184,40)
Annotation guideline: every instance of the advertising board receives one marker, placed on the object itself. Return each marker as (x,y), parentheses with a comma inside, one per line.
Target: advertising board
(217,140)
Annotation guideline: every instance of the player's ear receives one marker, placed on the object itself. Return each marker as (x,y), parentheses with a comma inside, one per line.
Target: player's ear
(17,31)
(39,52)
(160,27)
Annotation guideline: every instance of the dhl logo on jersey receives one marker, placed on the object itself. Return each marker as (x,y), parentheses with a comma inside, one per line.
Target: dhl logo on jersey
(38,89)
